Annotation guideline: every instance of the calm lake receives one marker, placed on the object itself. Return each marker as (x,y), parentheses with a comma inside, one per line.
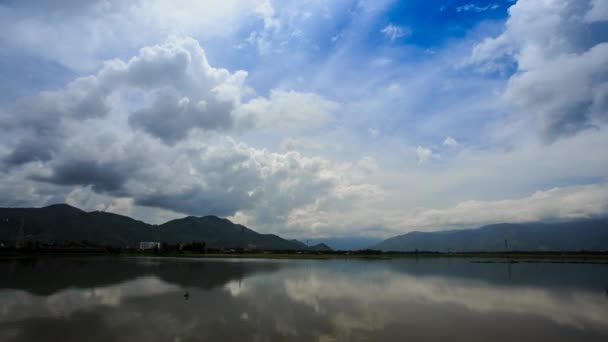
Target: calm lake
(154,299)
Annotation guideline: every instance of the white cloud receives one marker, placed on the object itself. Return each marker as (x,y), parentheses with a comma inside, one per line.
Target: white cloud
(398,199)
(288,109)
(174,78)
(262,39)
(562,64)
(450,142)
(424,154)
(476,8)
(575,202)
(76,36)
(266,10)
(394,32)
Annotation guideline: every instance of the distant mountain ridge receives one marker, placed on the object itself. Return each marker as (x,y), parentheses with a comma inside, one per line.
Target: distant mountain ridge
(320,247)
(589,234)
(62,222)
(345,243)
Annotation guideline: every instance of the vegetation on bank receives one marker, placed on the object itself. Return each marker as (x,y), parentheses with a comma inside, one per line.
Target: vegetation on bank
(200,250)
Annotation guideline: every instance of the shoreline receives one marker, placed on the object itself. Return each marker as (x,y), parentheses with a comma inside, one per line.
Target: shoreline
(477,257)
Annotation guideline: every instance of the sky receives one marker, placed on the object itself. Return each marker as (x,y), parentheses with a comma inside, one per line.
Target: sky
(308,119)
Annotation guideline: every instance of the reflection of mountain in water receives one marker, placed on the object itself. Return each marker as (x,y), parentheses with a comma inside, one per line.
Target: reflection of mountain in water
(499,271)
(45,276)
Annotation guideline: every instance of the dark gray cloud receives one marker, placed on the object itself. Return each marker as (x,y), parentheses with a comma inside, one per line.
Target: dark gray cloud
(187,93)
(569,93)
(197,201)
(170,118)
(214,176)
(183,93)
(38,124)
(18,190)
(102,176)
(31,149)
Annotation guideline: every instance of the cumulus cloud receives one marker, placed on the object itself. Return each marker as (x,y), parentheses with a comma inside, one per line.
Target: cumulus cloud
(35,125)
(561,59)
(287,109)
(229,177)
(557,204)
(188,93)
(202,176)
(172,89)
(184,92)
(150,130)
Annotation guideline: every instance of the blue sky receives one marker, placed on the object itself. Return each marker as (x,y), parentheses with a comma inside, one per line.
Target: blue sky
(308,119)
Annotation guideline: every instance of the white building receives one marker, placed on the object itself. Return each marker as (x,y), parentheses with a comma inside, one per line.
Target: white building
(149,245)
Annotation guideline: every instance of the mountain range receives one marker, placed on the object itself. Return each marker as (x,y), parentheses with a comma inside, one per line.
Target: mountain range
(61,222)
(588,234)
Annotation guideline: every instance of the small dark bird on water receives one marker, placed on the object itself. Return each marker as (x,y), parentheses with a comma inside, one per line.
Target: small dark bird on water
(186,295)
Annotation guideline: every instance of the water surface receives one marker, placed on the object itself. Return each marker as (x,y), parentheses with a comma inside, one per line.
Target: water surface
(153,299)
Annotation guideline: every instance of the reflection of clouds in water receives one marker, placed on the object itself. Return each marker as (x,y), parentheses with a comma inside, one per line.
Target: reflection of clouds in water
(372,301)
(318,302)
(235,288)
(576,308)
(18,305)
(162,316)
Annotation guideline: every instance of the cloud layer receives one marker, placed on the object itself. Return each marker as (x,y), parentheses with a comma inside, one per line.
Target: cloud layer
(307,119)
